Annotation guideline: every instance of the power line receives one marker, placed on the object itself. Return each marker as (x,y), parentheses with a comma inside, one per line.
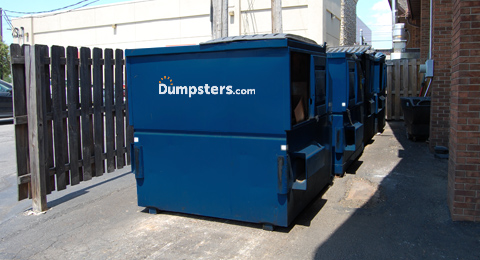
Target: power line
(7,19)
(52,14)
(378,25)
(49,11)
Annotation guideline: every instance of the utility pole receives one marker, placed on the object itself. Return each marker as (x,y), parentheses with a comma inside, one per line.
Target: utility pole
(216,19)
(225,18)
(277,16)
(219,18)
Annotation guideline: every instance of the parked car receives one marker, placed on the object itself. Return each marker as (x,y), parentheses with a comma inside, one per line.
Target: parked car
(6,105)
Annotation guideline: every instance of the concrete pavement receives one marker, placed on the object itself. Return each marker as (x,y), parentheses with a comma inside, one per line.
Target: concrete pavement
(392,205)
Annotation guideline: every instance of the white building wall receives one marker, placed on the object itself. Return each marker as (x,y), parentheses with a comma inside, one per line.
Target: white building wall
(331,21)
(158,23)
(367,33)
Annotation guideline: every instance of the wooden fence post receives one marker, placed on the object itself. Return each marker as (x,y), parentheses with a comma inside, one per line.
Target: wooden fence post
(97,112)
(35,110)
(47,121)
(389,101)
(74,139)
(86,107)
(59,122)
(109,119)
(119,114)
(20,114)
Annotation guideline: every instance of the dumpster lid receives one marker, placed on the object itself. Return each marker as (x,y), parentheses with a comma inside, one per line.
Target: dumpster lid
(257,37)
(351,49)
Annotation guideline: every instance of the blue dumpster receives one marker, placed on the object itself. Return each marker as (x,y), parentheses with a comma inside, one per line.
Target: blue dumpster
(366,77)
(236,128)
(379,87)
(347,109)
(367,67)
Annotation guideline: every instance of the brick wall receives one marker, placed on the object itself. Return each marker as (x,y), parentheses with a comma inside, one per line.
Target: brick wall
(424,29)
(464,161)
(413,32)
(440,88)
(348,24)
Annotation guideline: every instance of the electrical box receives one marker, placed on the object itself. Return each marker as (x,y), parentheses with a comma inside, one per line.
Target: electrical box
(429,69)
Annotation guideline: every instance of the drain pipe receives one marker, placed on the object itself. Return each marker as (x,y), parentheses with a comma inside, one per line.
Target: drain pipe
(394,12)
(430,61)
(394,17)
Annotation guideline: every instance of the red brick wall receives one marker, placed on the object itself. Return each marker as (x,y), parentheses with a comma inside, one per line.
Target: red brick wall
(424,29)
(413,33)
(464,161)
(440,88)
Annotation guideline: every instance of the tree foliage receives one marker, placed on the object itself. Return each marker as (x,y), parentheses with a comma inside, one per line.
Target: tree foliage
(4,61)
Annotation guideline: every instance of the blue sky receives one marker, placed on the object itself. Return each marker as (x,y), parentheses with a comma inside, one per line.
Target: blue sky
(375,14)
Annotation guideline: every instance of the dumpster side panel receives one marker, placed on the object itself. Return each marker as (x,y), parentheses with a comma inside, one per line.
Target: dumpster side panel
(337,81)
(316,132)
(347,111)
(369,101)
(379,84)
(217,176)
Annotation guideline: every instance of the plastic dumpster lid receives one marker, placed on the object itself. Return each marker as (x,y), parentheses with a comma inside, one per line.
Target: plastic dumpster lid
(351,49)
(256,37)
(380,56)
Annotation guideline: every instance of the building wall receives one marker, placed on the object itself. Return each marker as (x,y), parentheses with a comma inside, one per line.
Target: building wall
(424,29)
(331,22)
(464,159)
(348,22)
(158,23)
(413,32)
(124,25)
(367,33)
(440,88)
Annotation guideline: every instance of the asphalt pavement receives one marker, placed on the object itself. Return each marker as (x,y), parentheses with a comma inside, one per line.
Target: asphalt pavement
(390,205)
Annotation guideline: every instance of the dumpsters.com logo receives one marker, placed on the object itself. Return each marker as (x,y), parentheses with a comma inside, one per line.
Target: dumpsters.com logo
(165,86)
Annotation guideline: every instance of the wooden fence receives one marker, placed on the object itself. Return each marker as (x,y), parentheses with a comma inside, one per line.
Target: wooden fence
(63,136)
(403,80)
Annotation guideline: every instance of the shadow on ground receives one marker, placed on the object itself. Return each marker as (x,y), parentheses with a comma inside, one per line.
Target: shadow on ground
(303,219)
(408,217)
(80,192)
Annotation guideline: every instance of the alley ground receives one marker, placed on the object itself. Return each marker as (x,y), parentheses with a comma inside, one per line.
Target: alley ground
(391,205)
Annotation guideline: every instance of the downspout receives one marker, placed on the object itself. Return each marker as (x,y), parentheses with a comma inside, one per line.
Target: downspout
(429,62)
(394,18)
(394,13)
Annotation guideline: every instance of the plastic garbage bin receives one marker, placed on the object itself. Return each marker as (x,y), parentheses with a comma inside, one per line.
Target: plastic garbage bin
(416,112)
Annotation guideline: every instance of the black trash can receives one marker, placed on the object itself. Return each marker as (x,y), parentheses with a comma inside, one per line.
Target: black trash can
(416,113)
